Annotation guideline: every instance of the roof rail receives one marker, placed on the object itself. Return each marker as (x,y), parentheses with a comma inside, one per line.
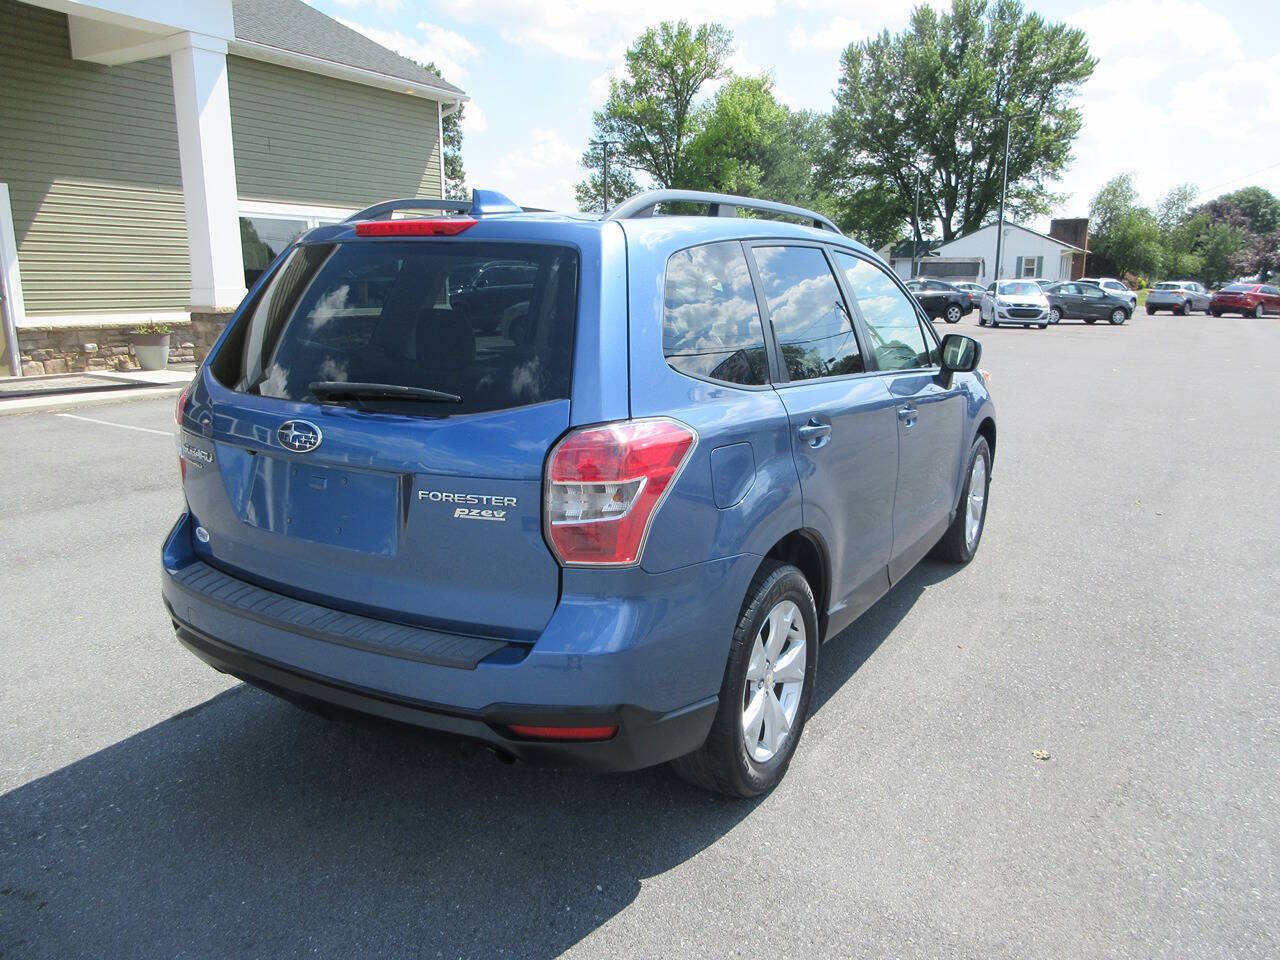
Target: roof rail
(719,204)
(483,203)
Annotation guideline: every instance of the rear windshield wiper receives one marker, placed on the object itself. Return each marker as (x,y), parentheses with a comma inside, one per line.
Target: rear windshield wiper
(339,390)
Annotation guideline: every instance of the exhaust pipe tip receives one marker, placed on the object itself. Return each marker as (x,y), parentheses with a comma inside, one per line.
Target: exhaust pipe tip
(502,756)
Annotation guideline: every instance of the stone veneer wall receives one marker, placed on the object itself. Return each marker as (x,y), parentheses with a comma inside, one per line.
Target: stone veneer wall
(68,349)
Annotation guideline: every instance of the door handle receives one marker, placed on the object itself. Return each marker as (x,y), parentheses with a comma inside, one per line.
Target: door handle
(907,414)
(815,432)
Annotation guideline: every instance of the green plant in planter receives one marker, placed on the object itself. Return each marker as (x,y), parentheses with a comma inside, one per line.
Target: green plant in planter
(152,330)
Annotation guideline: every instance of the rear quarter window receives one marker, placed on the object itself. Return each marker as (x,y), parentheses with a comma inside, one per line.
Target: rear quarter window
(711,325)
(408,313)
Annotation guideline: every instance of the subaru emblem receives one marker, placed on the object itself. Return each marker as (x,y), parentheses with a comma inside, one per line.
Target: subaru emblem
(300,436)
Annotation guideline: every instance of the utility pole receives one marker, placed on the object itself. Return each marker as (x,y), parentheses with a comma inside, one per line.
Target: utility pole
(604,146)
(1004,187)
(915,247)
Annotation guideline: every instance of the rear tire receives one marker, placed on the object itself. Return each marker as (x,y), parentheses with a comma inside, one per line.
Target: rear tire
(1150,310)
(953,314)
(723,763)
(960,542)
(1216,313)
(1043,326)
(1258,312)
(1183,310)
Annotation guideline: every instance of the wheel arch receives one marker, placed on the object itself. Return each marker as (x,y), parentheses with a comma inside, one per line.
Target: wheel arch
(987,430)
(805,550)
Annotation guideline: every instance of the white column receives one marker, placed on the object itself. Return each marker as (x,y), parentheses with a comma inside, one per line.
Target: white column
(203,107)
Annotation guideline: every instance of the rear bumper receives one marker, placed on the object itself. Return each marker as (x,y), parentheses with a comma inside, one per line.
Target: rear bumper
(645,652)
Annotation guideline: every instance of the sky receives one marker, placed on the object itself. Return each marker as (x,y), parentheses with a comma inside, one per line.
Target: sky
(1184,92)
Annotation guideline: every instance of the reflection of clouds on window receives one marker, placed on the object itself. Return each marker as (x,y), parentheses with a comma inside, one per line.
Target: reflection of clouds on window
(332,370)
(806,308)
(711,325)
(896,337)
(328,307)
(526,379)
(276,382)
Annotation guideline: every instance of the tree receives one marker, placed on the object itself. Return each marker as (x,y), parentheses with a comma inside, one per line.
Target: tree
(933,99)
(750,144)
(650,111)
(1243,235)
(455,176)
(1124,235)
(1180,232)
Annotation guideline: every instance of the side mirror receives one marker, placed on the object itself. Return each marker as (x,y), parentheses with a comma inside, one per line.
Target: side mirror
(960,354)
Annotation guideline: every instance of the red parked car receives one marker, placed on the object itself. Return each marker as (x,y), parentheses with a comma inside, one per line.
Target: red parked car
(1246,299)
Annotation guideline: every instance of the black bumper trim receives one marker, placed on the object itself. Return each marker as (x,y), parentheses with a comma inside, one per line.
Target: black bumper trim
(644,737)
(332,626)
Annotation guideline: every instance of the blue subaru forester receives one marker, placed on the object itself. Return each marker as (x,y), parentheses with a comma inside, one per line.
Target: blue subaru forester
(590,490)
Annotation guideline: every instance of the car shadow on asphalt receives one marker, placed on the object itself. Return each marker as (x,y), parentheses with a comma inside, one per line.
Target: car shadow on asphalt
(244,827)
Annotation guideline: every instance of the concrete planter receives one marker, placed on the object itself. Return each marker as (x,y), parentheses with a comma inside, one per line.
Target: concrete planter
(151,349)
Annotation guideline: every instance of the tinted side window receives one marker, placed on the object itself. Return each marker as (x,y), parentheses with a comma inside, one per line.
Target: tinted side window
(896,337)
(710,322)
(807,312)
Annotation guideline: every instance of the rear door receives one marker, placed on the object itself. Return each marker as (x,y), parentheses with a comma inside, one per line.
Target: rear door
(410,510)
(843,429)
(1093,302)
(929,414)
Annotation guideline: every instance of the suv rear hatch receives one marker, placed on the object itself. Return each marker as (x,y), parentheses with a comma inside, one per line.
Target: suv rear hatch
(378,430)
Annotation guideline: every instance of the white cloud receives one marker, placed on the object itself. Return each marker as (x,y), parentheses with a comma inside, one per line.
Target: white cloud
(593,29)
(445,48)
(382,6)
(836,35)
(598,88)
(473,119)
(540,174)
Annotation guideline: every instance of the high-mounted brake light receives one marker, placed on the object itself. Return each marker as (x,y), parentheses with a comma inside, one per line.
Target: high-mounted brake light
(448,227)
(605,484)
(530,732)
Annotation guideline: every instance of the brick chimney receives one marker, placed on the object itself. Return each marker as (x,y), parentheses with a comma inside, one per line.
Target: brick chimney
(1075,231)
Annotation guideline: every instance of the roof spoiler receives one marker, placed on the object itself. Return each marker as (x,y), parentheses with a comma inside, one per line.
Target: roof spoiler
(483,203)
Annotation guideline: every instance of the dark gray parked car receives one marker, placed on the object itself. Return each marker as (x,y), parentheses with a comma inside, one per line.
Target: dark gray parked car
(1076,300)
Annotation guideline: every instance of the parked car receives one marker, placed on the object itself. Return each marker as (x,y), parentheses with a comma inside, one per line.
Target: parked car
(1117,287)
(614,543)
(1016,302)
(1246,299)
(1077,300)
(974,290)
(941,301)
(1178,296)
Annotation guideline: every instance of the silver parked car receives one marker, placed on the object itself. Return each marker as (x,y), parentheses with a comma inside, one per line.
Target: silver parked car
(1180,296)
(1014,302)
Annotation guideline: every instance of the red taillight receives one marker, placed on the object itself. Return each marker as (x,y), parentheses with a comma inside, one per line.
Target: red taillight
(604,484)
(530,732)
(449,227)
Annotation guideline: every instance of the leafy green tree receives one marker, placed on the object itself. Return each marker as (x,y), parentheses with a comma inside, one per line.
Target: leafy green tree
(748,143)
(933,99)
(455,176)
(1180,232)
(651,111)
(1125,237)
(1261,208)
(1243,234)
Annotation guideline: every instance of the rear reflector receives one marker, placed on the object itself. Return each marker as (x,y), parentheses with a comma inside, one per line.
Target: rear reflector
(605,484)
(178,413)
(562,733)
(449,227)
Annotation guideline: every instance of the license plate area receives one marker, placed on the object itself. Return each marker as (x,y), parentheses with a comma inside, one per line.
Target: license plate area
(321,504)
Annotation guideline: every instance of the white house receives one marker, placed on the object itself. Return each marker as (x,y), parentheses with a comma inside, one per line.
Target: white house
(1026,253)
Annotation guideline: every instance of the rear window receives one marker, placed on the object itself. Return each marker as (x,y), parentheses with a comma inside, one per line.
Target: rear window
(1168,286)
(1239,288)
(411,314)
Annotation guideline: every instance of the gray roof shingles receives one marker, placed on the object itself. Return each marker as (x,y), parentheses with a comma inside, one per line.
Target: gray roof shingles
(293,26)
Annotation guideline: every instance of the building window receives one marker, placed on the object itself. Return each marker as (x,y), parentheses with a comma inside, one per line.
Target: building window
(266,229)
(1030,266)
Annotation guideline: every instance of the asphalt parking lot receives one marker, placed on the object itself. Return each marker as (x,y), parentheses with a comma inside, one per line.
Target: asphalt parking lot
(1122,615)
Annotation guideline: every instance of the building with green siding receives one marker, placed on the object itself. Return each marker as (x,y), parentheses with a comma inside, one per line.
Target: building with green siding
(154,156)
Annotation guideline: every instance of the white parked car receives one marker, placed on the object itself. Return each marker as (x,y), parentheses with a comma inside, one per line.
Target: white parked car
(1014,301)
(1116,288)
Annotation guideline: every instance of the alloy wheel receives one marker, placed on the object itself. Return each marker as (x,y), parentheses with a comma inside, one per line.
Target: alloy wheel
(775,681)
(974,506)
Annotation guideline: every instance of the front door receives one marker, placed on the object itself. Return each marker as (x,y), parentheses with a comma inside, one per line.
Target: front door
(929,412)
(844,431)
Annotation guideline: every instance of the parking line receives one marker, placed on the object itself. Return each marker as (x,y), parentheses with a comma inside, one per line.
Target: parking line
(108,423)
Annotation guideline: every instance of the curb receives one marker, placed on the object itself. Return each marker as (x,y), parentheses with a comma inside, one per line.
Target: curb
(15,407)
